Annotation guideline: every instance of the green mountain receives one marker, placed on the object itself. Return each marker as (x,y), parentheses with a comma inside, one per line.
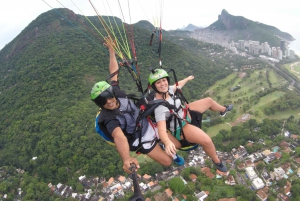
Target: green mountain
(47,73)
(240,28)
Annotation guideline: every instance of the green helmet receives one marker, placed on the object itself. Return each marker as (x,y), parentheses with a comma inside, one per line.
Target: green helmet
(100,92)
(156,75)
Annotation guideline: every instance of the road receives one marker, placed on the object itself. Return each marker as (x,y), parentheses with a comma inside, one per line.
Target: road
(292,81)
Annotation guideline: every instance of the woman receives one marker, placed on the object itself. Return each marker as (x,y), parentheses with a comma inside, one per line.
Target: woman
(176,118)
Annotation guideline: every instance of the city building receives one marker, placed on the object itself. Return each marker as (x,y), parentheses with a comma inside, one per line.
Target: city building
(265,48)
(250,173)
(283,45)
(279,173)
(274,52)
(241,45)
(267,178)
(258,183)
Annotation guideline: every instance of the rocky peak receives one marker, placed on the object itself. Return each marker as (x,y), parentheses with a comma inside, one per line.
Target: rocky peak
(224,18)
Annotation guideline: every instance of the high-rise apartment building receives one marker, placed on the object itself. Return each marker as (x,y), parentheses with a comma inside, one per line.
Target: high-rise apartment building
(283,45)
(274,52)
(262,50)
(270,52)
(279,54)
(241,45)
(256,48)
(251,47)
(265,48)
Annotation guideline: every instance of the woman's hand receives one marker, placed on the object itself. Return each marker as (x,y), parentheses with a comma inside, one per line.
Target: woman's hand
(191,77)
(170,148)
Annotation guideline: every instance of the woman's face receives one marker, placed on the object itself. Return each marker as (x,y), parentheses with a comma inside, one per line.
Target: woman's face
(111,103)
(162,85)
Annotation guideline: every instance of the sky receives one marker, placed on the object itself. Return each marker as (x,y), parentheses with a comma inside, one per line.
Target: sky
(15,15)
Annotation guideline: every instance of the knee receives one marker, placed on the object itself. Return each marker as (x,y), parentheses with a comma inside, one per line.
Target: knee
(167,161)
(205,142)
(209,100)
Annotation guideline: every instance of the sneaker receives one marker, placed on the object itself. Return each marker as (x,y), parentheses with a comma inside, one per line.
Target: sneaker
(221,166)
(228,108)
(178,160)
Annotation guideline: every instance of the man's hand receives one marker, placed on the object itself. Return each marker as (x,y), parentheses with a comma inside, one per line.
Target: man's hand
(109,43)
(127,164)
(113,64)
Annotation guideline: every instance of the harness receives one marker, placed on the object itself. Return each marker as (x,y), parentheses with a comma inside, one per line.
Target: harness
(145,109)
(196,117)
(126,114)
(174,113)
(146,106)
(196,120)
(150,105)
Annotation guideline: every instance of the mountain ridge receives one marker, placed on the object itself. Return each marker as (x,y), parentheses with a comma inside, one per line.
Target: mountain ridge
(240,28)
(230,28)
(189,27)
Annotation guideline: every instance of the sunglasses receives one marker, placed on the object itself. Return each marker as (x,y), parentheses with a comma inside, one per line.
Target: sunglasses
(107,94)
(102,98)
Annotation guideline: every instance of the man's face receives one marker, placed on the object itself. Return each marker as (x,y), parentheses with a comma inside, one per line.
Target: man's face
(111,103)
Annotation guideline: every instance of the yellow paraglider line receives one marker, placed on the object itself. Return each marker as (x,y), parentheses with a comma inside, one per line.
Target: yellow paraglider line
(120,46)
(111,34)
(124,41)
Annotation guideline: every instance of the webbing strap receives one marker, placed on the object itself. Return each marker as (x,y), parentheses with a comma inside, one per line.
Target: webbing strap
(143,114)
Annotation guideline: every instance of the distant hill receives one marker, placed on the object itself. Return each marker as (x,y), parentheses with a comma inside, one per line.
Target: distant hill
(190,27)
(144,24)
(184,32)
(180,33)
(239,28)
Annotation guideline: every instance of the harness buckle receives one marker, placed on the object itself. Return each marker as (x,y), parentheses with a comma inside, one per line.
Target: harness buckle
(142,107)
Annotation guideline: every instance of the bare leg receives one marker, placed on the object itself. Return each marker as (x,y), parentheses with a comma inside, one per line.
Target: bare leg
(206,103)
(194,134)
(160,156)
(174,140)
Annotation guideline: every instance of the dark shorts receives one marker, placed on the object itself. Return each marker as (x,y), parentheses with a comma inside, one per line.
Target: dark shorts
(144,149)
(196,120)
